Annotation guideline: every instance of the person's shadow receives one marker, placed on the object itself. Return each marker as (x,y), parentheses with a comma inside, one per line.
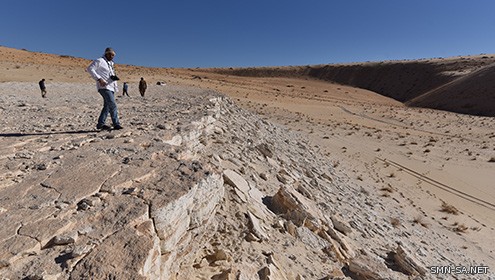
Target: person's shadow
(19,134)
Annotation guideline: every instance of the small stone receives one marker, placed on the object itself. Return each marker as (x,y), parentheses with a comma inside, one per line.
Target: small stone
(129,191)
(250,237)
(24,155)
(85,230)
(265,150)
(79,251)
(83,205)
(291,228)
(341,225)
(60,241)
(33,277)
(219,255)
(40,166)
(281,179)
(4,263)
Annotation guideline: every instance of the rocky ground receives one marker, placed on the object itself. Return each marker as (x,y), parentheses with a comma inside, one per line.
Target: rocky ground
(194,187)
(217,176)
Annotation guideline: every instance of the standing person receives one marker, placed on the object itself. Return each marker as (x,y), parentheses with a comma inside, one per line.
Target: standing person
(43,88)
(103,72)
(142,86)
(125,89)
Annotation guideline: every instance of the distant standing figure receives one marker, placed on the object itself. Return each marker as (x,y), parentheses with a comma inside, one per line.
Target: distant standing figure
(43,88)
(125,89)
(103,72)
(142,87)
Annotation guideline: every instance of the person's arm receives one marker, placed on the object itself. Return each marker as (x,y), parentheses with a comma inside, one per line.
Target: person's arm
(94,74)
(92,70)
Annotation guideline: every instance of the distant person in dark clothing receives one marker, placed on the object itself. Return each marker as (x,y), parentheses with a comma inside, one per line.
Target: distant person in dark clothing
(125,89)
(142,87)
(43,88)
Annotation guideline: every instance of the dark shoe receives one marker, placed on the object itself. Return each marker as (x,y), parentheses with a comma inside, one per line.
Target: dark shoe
(103,126)
(117,127)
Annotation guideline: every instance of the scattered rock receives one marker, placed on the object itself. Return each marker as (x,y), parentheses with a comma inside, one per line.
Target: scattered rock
(340,225)
(367,267)
(408,263)
(265,150)
(255,227)
(168,201)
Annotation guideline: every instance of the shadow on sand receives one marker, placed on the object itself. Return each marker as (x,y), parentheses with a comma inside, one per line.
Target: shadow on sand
(47,133)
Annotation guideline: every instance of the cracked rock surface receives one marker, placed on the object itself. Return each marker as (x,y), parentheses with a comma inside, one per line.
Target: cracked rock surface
(193,187)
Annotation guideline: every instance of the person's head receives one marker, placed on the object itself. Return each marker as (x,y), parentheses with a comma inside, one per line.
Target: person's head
(142,78)
(109,53)
(42,80)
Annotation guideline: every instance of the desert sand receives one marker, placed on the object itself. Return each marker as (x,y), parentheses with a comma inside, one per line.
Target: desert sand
(413,141)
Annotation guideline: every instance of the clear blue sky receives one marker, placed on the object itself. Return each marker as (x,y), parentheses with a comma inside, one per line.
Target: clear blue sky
(222,33)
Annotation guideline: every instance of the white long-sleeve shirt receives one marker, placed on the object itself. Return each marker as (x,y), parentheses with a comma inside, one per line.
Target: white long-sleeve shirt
(101,68)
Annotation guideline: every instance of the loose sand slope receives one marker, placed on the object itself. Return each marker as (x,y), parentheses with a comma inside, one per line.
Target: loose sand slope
(462,85)
(468,94)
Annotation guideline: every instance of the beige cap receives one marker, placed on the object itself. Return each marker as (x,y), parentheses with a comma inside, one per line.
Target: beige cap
(109,50)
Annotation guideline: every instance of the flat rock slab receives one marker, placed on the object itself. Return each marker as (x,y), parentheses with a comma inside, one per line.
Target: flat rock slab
(71,196)
(80,176)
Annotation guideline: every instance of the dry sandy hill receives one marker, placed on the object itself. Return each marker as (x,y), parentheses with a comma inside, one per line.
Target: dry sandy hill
(406,81)
(300,178)
(468,94)
(460,84)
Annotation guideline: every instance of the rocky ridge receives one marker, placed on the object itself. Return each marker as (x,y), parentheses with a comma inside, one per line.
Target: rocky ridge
(193,187)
